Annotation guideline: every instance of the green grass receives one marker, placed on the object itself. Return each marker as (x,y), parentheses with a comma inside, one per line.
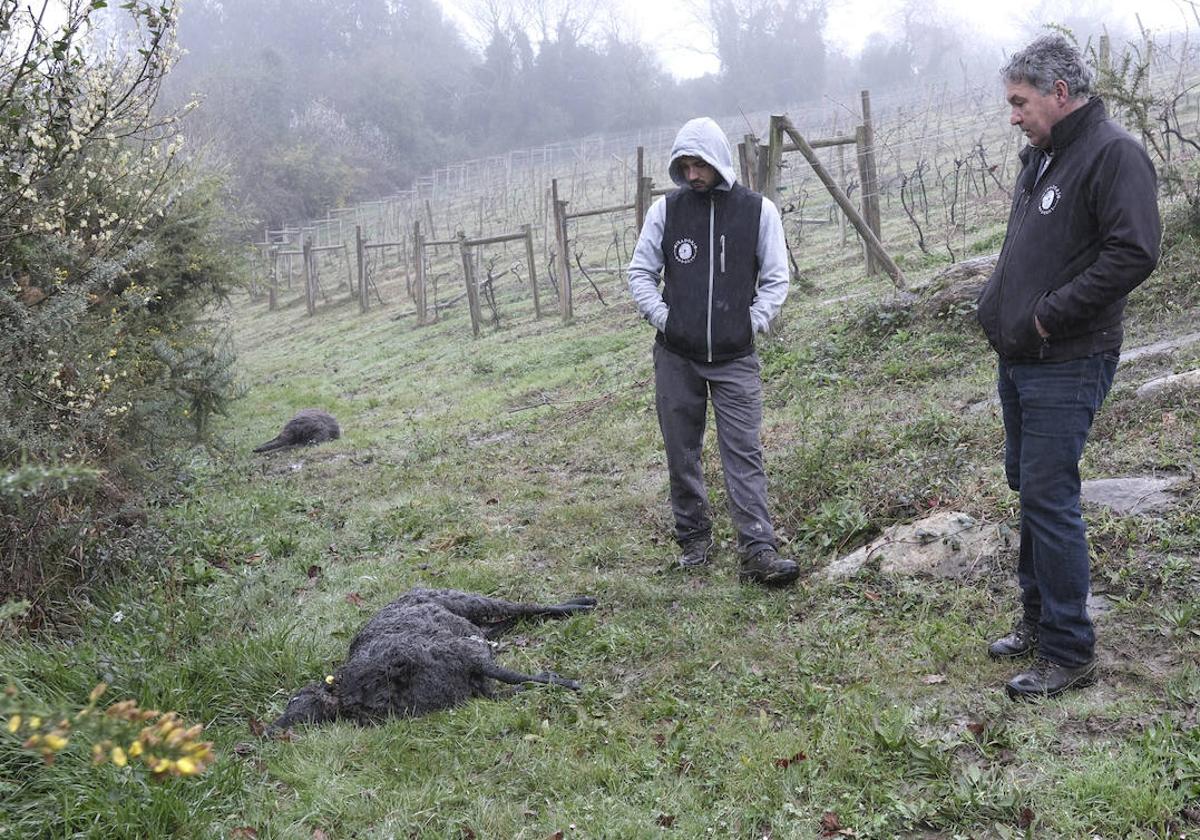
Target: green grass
(527,464)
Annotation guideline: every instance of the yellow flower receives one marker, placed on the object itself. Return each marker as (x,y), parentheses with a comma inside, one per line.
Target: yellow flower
(135,749)
(55,742)
(118,757)
(100,688)
(14,723)
(186,767)
(35,722)
(329,679)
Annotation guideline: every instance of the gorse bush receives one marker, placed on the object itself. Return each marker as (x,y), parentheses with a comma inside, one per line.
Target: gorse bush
(123,733)
(112,253)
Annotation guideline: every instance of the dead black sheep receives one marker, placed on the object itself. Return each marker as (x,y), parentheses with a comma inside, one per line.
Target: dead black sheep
(309,426)
(427,650)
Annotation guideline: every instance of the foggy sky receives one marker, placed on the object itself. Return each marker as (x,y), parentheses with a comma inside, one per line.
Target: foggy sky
(675,31)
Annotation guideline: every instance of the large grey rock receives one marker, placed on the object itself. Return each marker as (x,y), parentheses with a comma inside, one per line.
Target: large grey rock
(1190,379)
(1132,494)
(1166,346)
(957,284)
(946,544)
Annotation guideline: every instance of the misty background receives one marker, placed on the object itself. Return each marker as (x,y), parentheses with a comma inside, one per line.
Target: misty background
(307,105)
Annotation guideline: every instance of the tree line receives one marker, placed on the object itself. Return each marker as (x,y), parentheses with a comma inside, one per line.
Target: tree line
(312,104)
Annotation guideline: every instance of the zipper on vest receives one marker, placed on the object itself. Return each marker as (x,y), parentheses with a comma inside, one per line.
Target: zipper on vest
(722,253)
(712,224)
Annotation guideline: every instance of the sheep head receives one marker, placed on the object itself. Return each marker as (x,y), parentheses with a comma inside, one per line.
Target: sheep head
(315,703)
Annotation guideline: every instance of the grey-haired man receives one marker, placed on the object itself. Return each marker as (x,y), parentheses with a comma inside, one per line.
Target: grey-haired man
(1082,233)
(718,249)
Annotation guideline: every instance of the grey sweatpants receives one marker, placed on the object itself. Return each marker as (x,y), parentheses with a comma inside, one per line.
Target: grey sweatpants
(682,389)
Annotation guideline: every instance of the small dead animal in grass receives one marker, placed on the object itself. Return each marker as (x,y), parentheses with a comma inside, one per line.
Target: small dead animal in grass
(310,426)
(427,650)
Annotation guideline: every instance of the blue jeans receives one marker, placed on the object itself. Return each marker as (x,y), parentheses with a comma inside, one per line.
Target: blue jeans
(1048,411)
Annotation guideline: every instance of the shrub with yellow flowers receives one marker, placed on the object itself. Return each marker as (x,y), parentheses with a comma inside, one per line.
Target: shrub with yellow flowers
(122,733)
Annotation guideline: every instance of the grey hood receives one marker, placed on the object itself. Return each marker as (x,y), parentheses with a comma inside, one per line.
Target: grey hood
(704,139)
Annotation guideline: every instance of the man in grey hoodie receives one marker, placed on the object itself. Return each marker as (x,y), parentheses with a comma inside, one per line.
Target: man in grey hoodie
(718,250)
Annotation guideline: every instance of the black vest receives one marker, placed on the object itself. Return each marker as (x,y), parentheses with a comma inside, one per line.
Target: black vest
(710,272)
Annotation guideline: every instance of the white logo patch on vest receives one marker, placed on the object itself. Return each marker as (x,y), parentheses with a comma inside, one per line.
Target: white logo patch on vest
(685,250)
(1049,200)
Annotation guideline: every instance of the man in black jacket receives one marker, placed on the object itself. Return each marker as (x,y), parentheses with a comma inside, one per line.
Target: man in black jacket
(718,249)
(1082,233)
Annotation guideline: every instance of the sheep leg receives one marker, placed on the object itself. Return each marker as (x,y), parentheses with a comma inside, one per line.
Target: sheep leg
(507,675)
(515,612)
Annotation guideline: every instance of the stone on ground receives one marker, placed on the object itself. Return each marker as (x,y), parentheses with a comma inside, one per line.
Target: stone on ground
(1190,379)
(1130,495)
(945,544)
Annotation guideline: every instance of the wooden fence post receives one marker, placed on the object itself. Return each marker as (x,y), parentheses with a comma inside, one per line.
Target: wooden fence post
(564,264)
(750,166)
(646,195)
(469,277)
(763,160)
(359,253)
(871,184)
(419,266)
(310,281)
(639,200)
(272,290)
(860,145)
(770,186)
(533,286)
(402,253)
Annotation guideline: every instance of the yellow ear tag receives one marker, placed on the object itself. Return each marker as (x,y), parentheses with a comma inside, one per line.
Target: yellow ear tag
(329,679)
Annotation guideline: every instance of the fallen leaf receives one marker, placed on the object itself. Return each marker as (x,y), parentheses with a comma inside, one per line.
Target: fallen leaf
(785,763)
(314,571)
(830,824)
(492,502)
(870,596)
(976,728)
(665,820)
(1025,818)
(243,833)
(468,833)
(318,834)
(244,748)
(933,679)
(256,727)
(558,835)
(356,599)
(660,739)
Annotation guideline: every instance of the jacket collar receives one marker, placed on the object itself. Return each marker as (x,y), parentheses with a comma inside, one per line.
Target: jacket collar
(1064,132)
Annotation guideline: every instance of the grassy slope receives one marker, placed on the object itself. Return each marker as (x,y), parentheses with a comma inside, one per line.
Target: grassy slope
(528,464)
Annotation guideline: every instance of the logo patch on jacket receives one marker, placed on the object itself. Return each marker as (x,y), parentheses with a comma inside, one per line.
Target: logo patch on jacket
(1049,200)
(685,250)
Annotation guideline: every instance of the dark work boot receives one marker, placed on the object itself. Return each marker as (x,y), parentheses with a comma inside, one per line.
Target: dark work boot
(767,567)
(695,552)
(1021,641)
(1049,679)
